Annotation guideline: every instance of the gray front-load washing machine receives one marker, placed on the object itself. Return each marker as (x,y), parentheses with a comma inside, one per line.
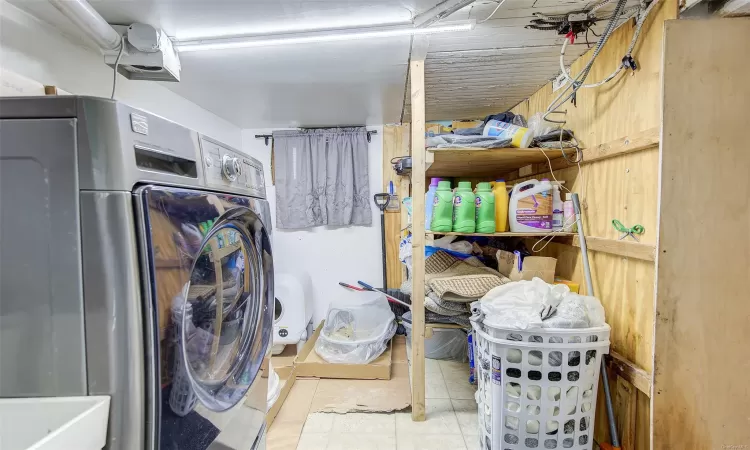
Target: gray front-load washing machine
(135,262)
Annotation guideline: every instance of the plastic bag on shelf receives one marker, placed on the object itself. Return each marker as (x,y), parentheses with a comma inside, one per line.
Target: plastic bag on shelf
(357,329)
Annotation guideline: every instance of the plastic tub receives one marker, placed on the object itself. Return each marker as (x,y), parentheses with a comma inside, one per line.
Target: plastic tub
(356,331)
(445,343)
(537,388)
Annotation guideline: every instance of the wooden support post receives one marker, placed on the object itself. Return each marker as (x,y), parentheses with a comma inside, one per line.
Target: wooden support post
(418,235)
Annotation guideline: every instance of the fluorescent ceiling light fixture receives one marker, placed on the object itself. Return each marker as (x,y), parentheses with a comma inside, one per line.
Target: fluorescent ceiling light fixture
(308,37)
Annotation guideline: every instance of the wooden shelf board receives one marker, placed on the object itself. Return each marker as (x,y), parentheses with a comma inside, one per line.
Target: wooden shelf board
(472,162)
(444,325)
(506,234)
(624,248)
(431,326)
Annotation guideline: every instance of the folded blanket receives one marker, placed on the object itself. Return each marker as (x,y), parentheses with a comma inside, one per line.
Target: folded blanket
(431,317)
(460,280)
(447,308)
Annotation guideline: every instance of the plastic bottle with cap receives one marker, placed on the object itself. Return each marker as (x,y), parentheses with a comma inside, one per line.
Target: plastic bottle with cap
(464,208)
(485,209)
(429,199)
(442,212)
(501,205)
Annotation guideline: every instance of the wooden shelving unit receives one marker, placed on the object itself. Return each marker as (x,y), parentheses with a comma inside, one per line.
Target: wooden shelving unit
(506,234)
(460,162)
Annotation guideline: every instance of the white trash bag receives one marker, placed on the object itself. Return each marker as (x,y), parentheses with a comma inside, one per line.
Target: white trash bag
(357,329)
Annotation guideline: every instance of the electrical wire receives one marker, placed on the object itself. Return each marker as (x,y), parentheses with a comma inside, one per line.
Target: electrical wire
(633,41)
(577,82)
(500,3)
(548,237)
(117,63)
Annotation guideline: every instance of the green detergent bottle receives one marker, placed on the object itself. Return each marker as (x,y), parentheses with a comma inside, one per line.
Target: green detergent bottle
(485,217)
(442,210)
(464,209)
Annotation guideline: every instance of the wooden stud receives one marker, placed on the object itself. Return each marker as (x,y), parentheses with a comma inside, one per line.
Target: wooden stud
(395,144)
(627,249)
(627,370)
(626,397)
(418,237)
(636,142)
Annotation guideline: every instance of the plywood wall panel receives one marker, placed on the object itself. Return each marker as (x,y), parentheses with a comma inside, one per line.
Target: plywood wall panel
(701,390)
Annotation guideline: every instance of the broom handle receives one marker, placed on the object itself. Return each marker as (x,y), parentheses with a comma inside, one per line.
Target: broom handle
(590,291)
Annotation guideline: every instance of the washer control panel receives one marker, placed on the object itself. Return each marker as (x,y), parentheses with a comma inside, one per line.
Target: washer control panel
(225,167)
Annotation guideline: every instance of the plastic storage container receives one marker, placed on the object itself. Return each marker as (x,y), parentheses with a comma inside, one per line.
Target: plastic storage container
(357,329)
(464,208)
(569,214)
(445,343)
(485,209)
(501,205)
(530,208)
(537,388)
(558,215)
(442,210)
(429,200)
(520,136)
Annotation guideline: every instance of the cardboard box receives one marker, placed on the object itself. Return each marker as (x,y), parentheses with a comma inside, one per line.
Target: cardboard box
(309,364)
(286,385)
(466,123)
(533,266)
(343,396)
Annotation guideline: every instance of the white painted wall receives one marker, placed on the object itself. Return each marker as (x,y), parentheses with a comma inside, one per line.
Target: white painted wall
(328,255)
(38,51)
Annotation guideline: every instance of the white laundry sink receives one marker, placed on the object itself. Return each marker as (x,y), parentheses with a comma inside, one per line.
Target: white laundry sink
(54,423)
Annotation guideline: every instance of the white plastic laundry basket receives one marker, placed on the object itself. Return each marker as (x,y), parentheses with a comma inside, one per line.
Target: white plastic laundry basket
(537,389)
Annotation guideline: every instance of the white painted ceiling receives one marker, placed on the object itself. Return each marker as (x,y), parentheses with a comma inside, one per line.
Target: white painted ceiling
(468,74)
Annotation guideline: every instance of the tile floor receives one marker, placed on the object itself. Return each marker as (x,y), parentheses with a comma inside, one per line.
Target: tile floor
(451,422)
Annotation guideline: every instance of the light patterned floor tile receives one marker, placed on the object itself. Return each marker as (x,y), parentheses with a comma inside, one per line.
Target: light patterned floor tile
(466,413)
(435,386)
(359,441)
(431,365)
(472,442)
(430,442)
(313,441)
(440,418)
(319,423)
(458,386)
(449,367)
(364,423)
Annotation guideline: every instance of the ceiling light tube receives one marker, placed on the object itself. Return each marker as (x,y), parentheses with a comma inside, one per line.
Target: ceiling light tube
(347,34)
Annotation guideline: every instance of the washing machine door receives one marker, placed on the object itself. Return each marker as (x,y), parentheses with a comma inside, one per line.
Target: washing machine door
(212,299)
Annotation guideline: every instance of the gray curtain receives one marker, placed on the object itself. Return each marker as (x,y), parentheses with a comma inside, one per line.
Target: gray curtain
(321,178)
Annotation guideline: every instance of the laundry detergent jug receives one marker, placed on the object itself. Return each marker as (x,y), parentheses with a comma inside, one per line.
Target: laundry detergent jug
(531,207)
(464,208)
(485,215)
(442,209)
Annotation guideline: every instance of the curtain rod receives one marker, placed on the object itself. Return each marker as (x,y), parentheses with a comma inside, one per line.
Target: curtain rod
(267,137)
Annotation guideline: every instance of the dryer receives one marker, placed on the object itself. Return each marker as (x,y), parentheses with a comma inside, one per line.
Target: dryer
(135,263)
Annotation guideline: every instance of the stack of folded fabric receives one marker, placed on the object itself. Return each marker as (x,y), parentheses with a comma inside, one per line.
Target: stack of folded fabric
(451,284)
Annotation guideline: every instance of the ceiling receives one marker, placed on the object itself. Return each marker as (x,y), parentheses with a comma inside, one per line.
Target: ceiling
(467,74)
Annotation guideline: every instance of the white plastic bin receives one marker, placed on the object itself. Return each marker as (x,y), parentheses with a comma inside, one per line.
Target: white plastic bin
(445,343)
(537,389)
(356,332)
